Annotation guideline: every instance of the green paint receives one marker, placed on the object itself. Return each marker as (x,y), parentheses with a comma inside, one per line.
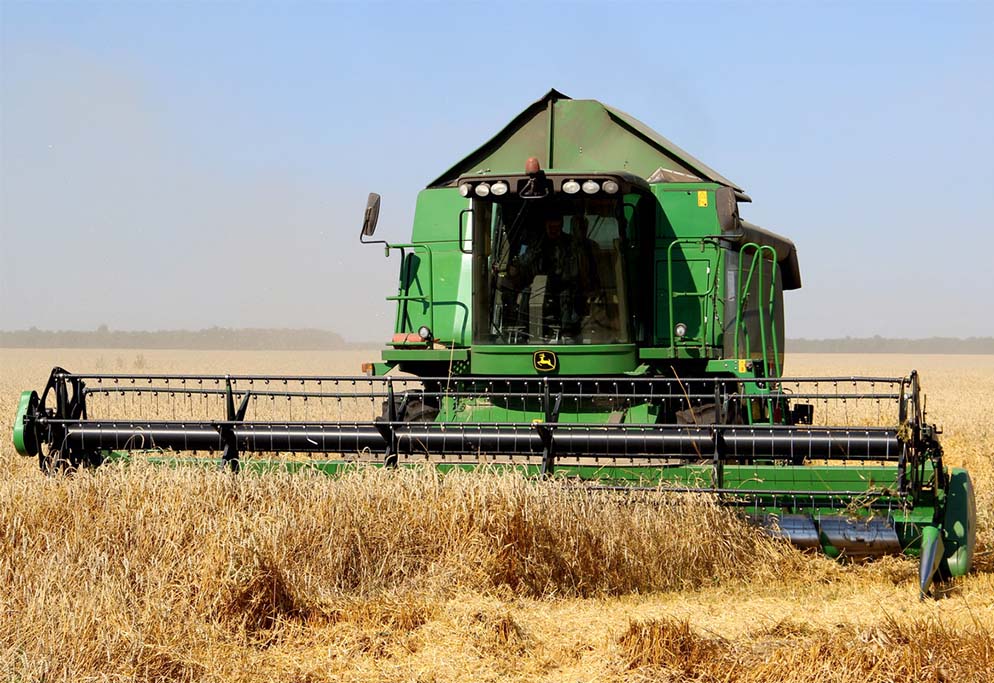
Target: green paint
(674,267)
(23,440)
(586,359)
(440,355)
(960,523)
(434,281)
(932,551)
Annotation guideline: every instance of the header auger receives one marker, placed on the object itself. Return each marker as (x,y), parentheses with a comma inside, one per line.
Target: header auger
(579,299)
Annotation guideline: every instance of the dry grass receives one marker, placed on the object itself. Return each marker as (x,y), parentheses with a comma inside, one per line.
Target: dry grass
(913,650)
(153,574)
(103,564)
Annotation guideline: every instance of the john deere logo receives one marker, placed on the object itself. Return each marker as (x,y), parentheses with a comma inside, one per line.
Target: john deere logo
(545,361)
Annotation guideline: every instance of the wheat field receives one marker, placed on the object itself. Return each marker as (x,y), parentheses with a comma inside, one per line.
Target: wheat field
(151,574)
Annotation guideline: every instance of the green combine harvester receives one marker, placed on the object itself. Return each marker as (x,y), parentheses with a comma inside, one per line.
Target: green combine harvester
(580,299)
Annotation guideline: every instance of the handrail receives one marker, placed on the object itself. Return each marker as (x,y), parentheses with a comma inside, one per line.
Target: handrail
(403,299)
(702,295)
(767,308)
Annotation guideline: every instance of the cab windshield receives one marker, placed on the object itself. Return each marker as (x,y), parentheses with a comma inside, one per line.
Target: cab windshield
(549,272)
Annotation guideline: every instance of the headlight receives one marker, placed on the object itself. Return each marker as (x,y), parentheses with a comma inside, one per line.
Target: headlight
(424,332)
(571,187)
(498,189)
(610,187)
(465,189)
(591,187)
(482,190)
(681,330)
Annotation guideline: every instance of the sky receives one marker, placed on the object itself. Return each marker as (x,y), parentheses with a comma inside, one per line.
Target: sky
(180,165)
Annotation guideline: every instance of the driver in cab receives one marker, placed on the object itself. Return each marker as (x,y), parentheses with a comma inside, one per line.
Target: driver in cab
(552,264)
(552,255)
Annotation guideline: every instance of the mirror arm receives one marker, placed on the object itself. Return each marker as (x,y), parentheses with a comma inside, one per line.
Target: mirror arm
(363,240)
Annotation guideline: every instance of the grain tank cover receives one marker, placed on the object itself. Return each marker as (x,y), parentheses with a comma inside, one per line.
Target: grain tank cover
(582,135)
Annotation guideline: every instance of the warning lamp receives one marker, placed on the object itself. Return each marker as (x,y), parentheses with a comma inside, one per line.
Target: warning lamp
(531,166)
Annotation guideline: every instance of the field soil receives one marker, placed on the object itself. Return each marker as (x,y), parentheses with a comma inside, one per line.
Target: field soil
(155,574)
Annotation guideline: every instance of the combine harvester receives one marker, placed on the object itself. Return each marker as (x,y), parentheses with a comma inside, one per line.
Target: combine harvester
(580,299)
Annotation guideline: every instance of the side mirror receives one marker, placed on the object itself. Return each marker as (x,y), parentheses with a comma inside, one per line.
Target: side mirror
(372,214)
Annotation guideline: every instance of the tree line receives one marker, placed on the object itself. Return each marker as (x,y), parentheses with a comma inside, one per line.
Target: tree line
(211,338)
(317,340)
(953,345)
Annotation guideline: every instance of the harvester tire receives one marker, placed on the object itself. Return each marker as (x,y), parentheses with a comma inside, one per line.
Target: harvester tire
(419,411)
(414,410)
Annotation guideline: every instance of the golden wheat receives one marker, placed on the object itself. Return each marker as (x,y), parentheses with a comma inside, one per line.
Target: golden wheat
(147,574)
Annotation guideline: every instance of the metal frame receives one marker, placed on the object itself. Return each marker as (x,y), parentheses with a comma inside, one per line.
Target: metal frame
(549,420)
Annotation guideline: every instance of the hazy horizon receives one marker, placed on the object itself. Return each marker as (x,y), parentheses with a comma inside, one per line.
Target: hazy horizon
(106,329)
(316,339)
(182,166)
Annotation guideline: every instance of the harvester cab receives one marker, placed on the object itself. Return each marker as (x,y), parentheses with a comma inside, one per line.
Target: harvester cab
(547,268)
(579,298)
(579,233)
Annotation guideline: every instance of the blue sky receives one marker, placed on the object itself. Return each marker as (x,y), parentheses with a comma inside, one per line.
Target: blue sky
(181,165)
